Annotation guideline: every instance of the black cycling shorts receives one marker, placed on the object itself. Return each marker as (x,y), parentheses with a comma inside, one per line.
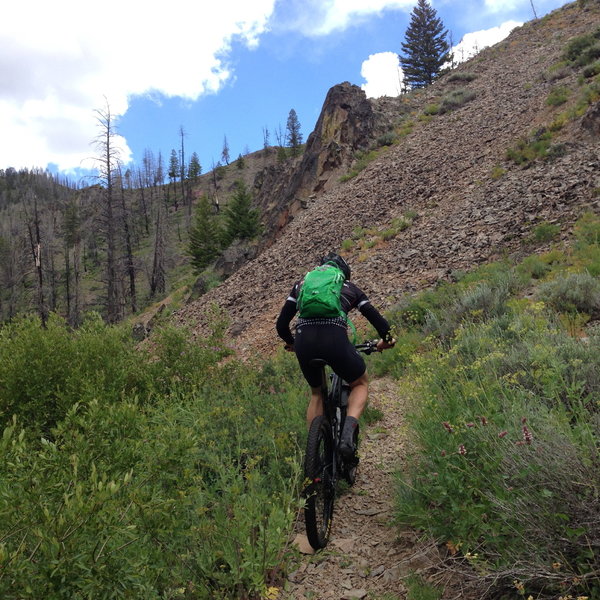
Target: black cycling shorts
(331,344)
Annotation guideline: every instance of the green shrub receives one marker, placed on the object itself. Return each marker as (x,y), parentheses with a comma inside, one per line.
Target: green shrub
(417,589)
(558,71)
(432,109)
(504,435)
(460,76)
(587,230)
(394,362)
(358,233)
(405,128)
(545,232)
(577,46)
(127,497)
(592,70)
(534,267)
(576,292)
(455,99)
(558,96)
(347,244)
(559,122)
(362,161)
(497,172)
(530,149)
(589,55)
(387,139)
(47,371)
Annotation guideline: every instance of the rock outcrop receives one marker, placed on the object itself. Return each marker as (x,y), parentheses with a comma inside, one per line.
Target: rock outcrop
(346,125)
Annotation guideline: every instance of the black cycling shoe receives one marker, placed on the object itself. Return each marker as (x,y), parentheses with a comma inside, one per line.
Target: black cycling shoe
(349,468)
(347,450)
(349,439)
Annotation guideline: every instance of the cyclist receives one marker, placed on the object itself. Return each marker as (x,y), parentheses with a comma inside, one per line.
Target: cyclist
(327,339)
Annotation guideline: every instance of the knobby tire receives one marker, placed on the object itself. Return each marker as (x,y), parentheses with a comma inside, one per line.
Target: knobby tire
(320,491)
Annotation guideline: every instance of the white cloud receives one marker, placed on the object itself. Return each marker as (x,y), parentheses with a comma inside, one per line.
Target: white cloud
(383,75)
(322,17)
(502,5)
(474,42)
(59,61)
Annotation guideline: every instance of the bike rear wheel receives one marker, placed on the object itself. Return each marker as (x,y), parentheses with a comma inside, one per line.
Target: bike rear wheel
(320,491)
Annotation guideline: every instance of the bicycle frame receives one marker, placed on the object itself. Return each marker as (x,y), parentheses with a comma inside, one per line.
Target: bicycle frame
(323,462)
(335,405)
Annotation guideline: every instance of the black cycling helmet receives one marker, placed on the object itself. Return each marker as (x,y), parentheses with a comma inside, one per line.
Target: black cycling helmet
(338,261)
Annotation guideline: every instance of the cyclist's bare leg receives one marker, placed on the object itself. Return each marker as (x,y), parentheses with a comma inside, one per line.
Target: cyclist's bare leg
(315,406)
(357,400)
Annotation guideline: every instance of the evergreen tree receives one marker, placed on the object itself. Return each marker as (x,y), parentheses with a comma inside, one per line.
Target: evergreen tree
(242,221)
(293,136)
(195,168)
(225,151)
(173,166)
(425,49)
(173,173)
(204,245)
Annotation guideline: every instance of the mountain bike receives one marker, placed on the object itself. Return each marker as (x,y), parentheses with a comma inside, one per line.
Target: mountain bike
(323,463)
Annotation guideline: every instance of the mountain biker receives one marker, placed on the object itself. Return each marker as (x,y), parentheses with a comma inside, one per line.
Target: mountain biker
(327,339)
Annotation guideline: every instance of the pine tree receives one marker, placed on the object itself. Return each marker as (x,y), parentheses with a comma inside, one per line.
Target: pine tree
(242,220)
(195,169)
(173,173)
(225,151)
(425,49)
(173,166)
(293,136)
(204,245)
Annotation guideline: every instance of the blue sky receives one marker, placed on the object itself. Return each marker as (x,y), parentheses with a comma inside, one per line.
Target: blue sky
(218,69)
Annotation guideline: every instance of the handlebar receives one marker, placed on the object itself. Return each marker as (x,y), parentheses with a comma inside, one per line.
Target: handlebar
(367,347)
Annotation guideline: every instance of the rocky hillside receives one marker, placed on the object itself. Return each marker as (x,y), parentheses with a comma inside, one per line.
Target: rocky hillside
(444,196)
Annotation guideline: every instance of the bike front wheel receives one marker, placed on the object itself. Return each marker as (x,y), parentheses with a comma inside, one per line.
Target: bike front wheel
(320,490)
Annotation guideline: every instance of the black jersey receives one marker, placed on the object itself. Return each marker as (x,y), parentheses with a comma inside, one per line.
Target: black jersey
(351,297)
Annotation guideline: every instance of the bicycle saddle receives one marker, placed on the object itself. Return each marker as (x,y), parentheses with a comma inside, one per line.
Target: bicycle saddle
(317,362)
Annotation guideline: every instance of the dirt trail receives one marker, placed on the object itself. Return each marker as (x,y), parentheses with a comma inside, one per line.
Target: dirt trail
(367,557)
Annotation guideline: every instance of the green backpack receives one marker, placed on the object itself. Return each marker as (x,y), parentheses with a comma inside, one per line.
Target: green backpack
(320,293)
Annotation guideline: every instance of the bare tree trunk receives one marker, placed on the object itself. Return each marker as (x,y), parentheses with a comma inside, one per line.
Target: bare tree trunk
(130,266)
(143,203)
(533,8)
(107,161)
(182,167)
(158,280)
(76,318)
(35,242)
(67,252)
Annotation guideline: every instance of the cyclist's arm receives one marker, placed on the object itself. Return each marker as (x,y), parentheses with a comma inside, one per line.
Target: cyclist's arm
(283,321)
(354,297)
(378,321)
(286,315)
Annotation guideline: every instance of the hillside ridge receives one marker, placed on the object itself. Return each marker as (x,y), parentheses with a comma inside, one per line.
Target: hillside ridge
(468,203)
